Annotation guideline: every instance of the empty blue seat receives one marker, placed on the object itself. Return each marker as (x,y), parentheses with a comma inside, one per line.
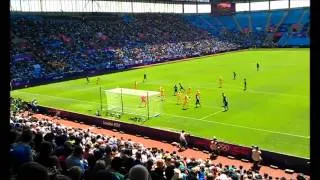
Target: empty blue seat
(243,19)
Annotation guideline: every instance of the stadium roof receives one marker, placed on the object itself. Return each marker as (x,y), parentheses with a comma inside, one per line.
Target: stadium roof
(193,1)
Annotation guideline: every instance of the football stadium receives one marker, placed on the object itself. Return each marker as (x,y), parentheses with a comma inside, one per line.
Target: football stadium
(201,89)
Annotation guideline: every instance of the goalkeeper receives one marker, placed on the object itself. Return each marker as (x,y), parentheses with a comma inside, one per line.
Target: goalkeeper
(143,101)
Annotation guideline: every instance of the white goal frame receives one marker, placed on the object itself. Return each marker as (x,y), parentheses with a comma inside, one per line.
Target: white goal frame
(116,101)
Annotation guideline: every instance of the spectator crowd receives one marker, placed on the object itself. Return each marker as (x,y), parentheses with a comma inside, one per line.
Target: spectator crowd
(43,149)
(75,44)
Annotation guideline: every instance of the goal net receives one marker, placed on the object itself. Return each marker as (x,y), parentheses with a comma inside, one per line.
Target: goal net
(135,102)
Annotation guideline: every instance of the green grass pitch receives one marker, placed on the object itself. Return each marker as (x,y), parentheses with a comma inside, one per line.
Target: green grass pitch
(273,113)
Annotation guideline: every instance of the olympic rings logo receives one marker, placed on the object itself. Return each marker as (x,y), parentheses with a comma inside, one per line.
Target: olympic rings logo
(224,147)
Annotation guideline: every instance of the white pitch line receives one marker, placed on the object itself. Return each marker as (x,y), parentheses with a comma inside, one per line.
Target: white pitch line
(239,126)
(210,115)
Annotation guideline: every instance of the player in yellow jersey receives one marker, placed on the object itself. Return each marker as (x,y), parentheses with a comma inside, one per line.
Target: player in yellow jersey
(179,97)
(198,92)
(189,91)
(98,80)
(220,82)
(135,86)
(160,89)
(185,102)
(161,93)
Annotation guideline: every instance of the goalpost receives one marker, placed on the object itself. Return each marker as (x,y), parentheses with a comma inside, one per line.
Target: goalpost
(129,101)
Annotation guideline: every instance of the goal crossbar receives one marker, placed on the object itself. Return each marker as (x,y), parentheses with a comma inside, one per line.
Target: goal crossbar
(133,92)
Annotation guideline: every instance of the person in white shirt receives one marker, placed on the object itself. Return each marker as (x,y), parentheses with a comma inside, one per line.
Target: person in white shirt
(183,141)
(215,148)
(256,156)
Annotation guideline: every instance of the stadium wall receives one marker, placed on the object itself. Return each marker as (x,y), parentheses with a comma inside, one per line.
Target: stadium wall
(283,161)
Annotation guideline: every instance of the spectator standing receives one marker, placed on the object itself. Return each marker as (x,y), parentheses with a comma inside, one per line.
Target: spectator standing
(183,140)
(256,157)
(215,148)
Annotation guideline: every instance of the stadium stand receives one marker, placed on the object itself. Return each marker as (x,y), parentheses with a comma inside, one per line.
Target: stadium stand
(293,16)
(259,20)
(275,18)
(228,22)
(65,45)
(53,151)
(243,19)
(49,46)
